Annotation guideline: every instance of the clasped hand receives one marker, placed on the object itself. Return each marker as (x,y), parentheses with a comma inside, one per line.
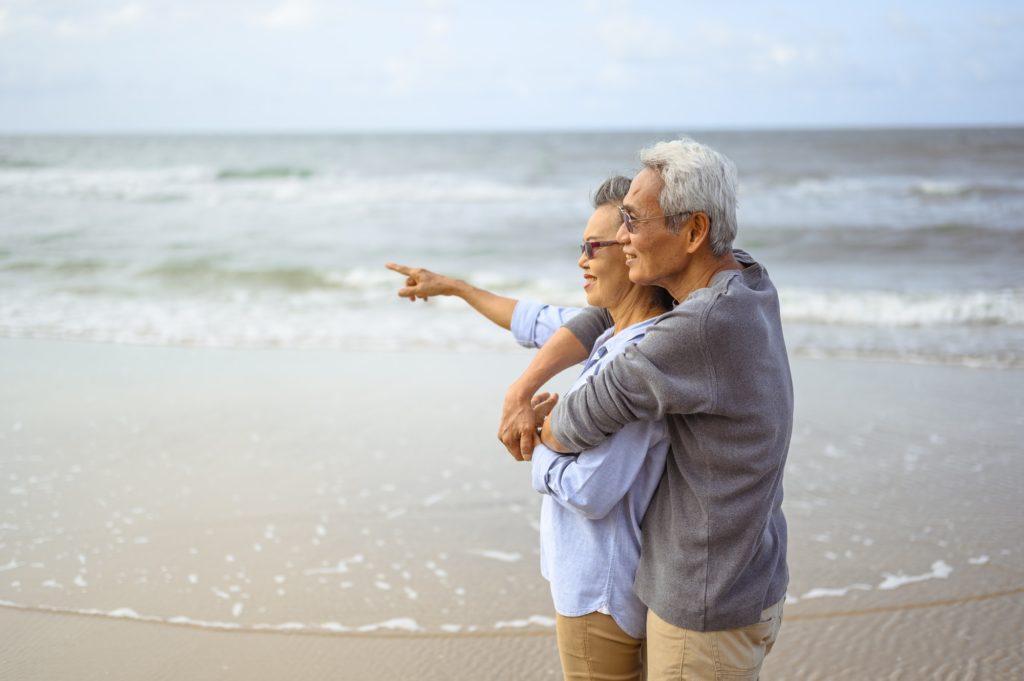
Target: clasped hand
(521,421)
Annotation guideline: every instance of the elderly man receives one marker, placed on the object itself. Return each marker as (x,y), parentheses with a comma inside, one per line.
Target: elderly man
(713,569)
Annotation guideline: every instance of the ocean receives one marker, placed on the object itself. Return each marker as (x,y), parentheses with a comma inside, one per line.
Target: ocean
(894,244)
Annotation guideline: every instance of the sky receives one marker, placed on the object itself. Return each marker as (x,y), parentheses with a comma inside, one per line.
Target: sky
(424,65)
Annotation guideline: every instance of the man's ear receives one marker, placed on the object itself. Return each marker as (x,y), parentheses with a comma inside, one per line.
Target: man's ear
(697,229)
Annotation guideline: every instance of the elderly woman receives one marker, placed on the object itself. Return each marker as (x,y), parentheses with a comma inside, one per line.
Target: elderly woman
(594,500)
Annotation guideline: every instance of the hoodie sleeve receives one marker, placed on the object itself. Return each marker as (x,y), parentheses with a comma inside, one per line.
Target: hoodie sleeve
(668,371)
(589,324)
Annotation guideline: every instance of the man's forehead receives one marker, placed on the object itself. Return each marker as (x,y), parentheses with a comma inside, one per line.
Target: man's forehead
(645,187)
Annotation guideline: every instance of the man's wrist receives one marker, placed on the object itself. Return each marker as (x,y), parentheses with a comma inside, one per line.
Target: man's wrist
(548,439)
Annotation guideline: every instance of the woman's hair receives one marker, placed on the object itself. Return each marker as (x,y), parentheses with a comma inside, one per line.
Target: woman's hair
(611,193)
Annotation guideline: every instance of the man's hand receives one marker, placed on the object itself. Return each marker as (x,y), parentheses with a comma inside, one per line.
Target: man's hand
(518,421)
(548,439)
(421,283)
(542,404)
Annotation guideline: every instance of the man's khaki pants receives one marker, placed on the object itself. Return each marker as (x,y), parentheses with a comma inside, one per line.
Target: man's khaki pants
(680,654)
(594,647)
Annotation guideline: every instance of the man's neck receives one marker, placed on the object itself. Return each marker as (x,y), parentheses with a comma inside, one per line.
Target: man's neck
(699,272)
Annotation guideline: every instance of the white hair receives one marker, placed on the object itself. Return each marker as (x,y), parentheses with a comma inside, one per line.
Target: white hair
(697,178)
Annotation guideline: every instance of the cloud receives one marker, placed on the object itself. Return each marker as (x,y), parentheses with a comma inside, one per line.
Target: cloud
(999,22)
(69,28)
(439,25)
(125,16)
(289,14)
(627,34)
(782,54)
(403,76)
(614,74)
(449,63)
(72,25)
(980,70)
(903,25)
(718,35)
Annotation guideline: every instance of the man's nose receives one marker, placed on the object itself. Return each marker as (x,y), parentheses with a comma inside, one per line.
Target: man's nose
(622,236)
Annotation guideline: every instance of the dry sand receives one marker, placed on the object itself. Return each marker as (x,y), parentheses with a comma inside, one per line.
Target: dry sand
(194,514)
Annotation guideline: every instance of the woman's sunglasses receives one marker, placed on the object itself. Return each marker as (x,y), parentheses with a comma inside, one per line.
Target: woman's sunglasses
(589,248)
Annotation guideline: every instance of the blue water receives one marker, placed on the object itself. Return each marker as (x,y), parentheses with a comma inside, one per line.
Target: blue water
(898,244)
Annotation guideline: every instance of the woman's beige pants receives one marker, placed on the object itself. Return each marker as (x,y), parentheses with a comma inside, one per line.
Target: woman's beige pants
(593,647)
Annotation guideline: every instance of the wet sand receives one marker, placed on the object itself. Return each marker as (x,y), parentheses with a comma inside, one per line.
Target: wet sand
(184,513)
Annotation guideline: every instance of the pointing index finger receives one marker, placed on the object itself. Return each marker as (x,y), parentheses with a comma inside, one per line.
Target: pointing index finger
(401,269)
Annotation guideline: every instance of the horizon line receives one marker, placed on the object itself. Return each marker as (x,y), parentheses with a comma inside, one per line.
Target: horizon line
(269,131)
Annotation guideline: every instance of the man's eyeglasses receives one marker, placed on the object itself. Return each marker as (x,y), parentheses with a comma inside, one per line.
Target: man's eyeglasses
(589,248)
(631,221)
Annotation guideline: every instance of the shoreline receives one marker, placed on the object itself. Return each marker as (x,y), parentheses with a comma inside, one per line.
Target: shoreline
(808,354)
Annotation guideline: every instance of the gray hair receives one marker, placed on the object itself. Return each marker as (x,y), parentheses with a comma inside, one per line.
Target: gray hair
(697,178)
(612,192)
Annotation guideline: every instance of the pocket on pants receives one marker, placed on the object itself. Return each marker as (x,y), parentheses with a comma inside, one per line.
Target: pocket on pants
(740,652)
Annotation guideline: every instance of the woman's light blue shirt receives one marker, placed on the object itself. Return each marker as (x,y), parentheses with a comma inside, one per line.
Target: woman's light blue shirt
(595,500)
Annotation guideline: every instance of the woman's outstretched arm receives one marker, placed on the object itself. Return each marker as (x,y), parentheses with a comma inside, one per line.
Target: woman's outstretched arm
(422,283)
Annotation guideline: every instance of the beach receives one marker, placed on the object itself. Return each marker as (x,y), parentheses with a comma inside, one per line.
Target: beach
(176,512)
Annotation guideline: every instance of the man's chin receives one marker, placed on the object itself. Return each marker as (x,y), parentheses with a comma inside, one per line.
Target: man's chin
(637,277)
